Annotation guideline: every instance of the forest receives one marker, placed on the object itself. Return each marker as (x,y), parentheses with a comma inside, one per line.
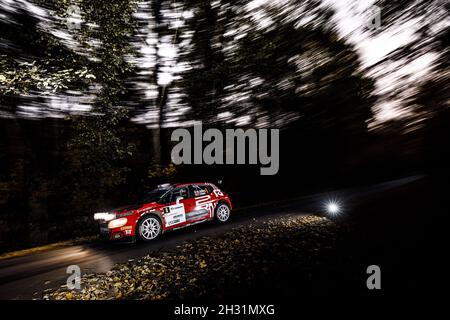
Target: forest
(91,93)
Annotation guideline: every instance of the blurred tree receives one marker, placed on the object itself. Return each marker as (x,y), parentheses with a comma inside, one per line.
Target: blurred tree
(99,147)
(33,60)
(271,75)
(427,105)
(426,20)
(309,74)
(204,81)
(33,64)
(429,39)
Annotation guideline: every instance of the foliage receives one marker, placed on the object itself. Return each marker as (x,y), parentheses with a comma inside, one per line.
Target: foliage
(16,78)
(430,41)
(99,145)
(156,170)
(276,75)
(34,60)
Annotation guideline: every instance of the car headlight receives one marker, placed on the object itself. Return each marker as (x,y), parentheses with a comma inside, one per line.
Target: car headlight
(104,216)
(117,223)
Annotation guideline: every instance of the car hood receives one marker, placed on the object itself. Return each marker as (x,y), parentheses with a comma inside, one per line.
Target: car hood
(132,207)
(125,208)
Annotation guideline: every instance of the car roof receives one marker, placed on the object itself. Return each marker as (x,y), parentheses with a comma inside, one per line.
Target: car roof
(190,183)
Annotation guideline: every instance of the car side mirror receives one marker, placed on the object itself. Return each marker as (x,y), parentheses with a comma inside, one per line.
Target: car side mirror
(179,199)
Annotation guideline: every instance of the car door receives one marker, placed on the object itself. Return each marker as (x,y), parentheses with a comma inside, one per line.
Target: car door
(177,206)
(203,203)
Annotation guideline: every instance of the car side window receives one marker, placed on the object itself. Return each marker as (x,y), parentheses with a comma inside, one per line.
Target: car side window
(200,190)
(165,199)
(179,193)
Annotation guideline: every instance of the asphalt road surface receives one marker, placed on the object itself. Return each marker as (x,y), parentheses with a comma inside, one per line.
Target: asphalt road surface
(26,277)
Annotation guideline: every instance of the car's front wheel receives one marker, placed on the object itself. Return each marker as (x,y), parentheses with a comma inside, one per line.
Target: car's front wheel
(149,228)
(223,212)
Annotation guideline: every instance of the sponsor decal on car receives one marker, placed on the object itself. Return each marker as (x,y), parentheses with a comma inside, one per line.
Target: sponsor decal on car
(207,203)
(174,214)
(194,215)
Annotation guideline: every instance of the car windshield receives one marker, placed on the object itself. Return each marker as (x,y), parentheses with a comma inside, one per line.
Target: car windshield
(153,195)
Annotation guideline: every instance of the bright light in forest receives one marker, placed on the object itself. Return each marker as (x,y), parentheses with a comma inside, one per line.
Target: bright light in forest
(333,208)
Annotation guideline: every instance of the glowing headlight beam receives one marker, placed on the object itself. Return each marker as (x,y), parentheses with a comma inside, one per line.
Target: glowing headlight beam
(117,223)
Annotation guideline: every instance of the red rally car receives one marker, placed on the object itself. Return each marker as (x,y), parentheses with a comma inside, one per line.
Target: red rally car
(168,207)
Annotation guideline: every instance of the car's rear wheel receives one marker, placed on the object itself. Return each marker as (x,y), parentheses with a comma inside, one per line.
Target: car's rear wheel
(223,212)
(149,228)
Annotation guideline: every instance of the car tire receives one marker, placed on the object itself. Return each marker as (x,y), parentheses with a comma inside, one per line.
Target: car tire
(222,212)
(149,228)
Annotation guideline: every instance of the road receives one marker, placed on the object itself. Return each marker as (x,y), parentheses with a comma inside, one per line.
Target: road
(26,277)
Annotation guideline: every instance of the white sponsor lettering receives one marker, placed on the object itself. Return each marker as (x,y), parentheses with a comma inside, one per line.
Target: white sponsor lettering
(174,214)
